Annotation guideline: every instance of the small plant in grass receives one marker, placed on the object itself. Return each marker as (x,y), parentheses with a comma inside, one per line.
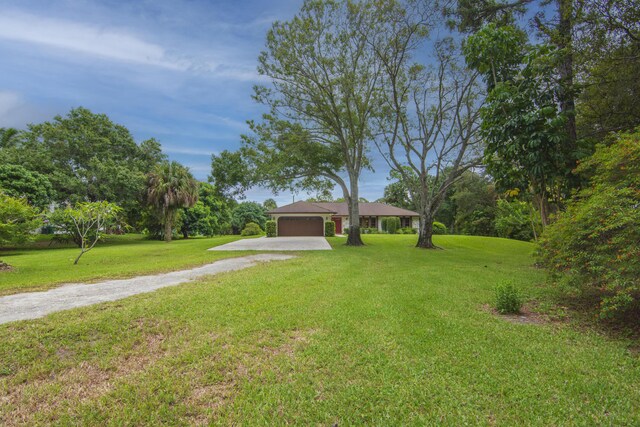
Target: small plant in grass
(271,228)
(508,299)
(329,229)
(87,223)
(251,229)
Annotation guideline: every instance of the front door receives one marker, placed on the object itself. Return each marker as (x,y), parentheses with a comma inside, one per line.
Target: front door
(338,221)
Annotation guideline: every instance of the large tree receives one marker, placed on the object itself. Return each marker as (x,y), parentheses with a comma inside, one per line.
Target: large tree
(170,187)
(429,135)
(324,94)
(87,157)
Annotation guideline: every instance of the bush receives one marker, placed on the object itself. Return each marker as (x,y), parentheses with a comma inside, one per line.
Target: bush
(393,225)
(594,246)
(408,230)
(329,229)
(514,220)
(271,229)
(345,231)
(439,228)
(18,220)
(370,230)
(508,300)
(251,229)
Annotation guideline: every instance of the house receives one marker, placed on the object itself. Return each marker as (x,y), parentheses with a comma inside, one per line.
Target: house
(307,219)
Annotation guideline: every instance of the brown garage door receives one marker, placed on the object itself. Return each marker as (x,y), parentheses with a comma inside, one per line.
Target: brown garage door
(300,226)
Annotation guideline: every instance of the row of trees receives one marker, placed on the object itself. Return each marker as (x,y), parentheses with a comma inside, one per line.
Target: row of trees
(86,158)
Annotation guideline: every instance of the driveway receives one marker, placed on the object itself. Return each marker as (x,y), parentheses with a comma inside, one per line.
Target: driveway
(306,243)
(32,305)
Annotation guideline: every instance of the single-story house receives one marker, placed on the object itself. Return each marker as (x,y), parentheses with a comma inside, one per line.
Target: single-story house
(307,219)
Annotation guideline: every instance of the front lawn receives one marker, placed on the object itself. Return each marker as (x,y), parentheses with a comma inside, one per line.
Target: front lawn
(381,335)
(39,266)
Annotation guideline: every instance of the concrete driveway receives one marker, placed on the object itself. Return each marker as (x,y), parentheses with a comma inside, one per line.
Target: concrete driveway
(306,243)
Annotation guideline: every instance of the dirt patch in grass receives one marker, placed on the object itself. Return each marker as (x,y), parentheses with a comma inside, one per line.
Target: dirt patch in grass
(206,400)
(530,313)
(5,267)
(75,385)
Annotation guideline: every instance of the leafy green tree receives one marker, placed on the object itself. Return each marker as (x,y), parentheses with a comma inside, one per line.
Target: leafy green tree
(397,192)
(595,245)
(247,212)
(18,220)
(8,137)
(16,181)
(231,174)
(526,142)
(516,219)
(87,157)
(86,223)
(171,186)
(324,95)
(473,198)
(197,220)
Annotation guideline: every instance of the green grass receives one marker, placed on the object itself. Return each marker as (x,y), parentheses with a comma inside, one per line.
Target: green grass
(38,266)
(381,335)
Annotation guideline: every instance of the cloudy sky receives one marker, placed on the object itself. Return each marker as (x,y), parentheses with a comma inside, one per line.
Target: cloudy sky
(181,71)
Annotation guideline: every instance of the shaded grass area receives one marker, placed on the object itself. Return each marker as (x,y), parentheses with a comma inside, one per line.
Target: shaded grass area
(39,266)
(385,334)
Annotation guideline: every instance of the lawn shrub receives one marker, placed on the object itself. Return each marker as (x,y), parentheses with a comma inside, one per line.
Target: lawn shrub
(370,230)
(439,228)
(18,220)
(393,225)
(508,300)
(329,229)
(408,230)
(270,228)
(251,229)
(594,246)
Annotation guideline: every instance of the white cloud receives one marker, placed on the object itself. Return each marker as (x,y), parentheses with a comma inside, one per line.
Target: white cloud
(187,150)
(107,43)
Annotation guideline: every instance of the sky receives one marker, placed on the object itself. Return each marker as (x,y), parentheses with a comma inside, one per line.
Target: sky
(181,71)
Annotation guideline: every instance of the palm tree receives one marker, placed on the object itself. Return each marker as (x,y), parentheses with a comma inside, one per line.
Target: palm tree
(171,186)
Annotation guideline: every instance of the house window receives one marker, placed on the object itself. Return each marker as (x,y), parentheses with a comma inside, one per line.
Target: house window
(368,222)
(405,221)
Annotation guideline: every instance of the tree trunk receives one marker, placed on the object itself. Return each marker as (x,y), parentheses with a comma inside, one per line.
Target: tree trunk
(425,236)
(168,226)
(354,238)
(565,71)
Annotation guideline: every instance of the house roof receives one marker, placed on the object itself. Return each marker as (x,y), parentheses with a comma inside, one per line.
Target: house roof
(341,209)
(368,209)
(301,207)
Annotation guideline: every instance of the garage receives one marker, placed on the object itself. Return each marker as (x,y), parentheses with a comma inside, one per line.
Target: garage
(300,226)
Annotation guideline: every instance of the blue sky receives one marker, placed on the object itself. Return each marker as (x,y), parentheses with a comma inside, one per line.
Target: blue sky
(181,71)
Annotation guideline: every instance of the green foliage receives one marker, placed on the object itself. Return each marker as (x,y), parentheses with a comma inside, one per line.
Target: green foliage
(197,221)
(329,229)
(472,202)
(18,220)
(595,244)
(439,228)
(271,228)
(87,223)
(408,230)
(251,229)
(367,230)
(524,129)
(231,173)
(517,220)
(87,157)
(270,204)
(397,192)
(247,212)
(171,186)
(508,299)
(390,224)
(17,181)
